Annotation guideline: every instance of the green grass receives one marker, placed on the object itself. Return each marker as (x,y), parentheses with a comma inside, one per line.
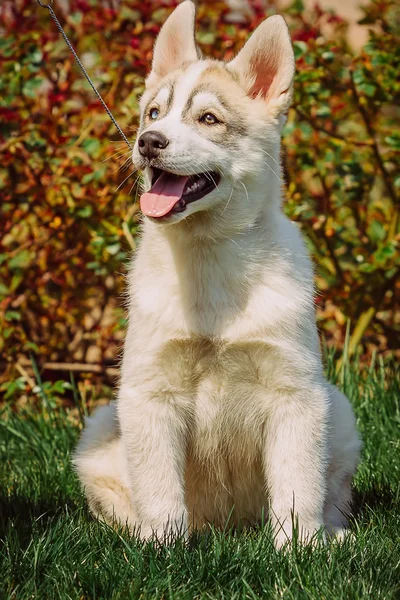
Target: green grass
(52,548)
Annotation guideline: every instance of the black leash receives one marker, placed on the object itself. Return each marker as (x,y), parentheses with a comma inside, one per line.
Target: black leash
(57,22)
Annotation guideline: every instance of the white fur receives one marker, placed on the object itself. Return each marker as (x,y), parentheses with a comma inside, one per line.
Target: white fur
(223,410)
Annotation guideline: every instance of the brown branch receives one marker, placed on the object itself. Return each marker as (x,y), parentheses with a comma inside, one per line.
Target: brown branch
(24,367)
(335,136)
(80,368)
(339,272)
(374,144)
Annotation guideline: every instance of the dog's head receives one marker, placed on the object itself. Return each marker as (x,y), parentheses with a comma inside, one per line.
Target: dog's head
(209,133)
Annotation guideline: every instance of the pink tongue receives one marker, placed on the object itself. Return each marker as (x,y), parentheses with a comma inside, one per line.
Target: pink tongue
(165,193)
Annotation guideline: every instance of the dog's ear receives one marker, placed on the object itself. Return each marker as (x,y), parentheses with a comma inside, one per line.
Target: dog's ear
(265,65)
(175,44)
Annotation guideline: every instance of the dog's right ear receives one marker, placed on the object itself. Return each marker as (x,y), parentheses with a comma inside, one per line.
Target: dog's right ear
(175,44)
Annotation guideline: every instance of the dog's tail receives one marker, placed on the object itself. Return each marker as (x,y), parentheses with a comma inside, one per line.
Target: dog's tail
(102,468)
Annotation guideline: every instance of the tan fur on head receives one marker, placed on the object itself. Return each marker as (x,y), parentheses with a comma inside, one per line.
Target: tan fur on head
(223,411)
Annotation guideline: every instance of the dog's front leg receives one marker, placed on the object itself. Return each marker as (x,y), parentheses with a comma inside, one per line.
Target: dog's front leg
(153,435)
(295,463)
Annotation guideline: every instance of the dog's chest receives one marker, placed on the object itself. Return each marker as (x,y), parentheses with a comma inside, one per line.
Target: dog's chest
(224,387)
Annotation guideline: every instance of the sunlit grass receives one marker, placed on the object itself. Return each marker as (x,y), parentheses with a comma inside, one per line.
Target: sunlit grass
(52,548)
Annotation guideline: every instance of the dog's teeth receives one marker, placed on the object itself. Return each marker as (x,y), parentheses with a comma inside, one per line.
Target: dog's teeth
(196,185)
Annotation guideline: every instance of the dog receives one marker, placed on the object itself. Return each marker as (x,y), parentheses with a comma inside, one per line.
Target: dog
(223,413)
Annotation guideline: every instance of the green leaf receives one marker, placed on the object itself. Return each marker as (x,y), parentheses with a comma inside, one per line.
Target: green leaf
(368,267)
(35,55)
(129,14)
(323,111)
(15,281)
(22,260)
(385,252)
(393,140)
(369,89)
(31,346)
(87,178)
(377,231)
(91,145)
(300,49)
(113,248)
(3,289)
(328,56)
(206,37)
(13,387)
(85,212)
(12,315)
(30,87)
(59,387)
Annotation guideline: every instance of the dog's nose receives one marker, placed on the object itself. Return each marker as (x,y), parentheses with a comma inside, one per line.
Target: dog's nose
(151,142)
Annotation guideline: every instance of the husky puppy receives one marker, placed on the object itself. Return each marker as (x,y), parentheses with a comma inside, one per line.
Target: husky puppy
(223,412)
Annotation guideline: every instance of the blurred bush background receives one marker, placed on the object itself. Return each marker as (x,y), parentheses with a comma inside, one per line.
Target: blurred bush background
(69,213)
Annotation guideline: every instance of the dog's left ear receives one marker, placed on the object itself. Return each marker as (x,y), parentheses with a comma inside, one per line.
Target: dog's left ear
(175,43)
(265,65)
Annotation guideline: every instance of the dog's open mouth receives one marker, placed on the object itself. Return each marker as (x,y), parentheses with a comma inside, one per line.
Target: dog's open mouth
(171,193)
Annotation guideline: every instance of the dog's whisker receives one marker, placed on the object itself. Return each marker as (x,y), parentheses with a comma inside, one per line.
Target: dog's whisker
(126,179)
(229,199)
(133,184)
(118,154)
(120,142)
(122,167)
(125,165)
(272,171)
(234,242)
(245,189)
(210,177)
(270,155)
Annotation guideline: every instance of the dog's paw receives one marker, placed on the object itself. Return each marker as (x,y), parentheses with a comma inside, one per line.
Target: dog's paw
(285,536)
(340,534)
(165,534)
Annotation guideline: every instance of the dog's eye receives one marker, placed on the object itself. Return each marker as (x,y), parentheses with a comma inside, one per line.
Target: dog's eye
(209,119)
(153,113)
